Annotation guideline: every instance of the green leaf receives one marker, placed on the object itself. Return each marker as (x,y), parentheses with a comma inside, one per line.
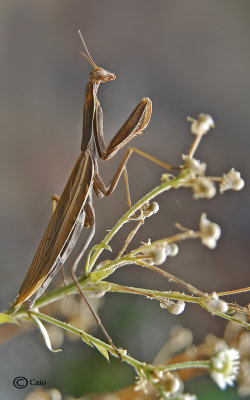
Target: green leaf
(102,246)
(86,340)
(95,248)
(44,333)
(101,274)
(5,318)
(99,247)
(102,350)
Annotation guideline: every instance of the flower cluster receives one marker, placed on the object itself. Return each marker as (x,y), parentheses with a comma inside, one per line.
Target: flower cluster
(204,186)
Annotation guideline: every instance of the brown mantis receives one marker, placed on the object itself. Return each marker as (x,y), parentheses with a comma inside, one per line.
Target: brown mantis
(75,209)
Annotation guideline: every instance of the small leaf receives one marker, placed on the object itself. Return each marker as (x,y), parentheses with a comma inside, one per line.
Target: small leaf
(101,274)
(86,340)
(95,248)
(5,318)
(44,333)
(101,246)
(102,350)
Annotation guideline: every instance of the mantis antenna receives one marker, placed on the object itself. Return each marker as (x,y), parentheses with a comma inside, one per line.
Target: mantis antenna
(87,56)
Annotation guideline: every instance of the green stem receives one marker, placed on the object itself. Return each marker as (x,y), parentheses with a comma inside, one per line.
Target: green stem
(157,294)
(187,364)
(166,185)
(190,234)
(172,278)
(89,338)
(105,286)
(130,360)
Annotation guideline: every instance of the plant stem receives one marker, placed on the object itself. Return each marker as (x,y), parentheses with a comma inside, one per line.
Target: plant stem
(166,185)
(138,365)
(89,338)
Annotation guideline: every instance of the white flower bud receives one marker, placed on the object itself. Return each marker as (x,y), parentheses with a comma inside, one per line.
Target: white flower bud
(231,180)
(171,384)
(203,188)
(202,125)
(214,304)
(172,307)
(172,250)
(150,209)
(195,167)
(210,232)
(177,308)
(157,253)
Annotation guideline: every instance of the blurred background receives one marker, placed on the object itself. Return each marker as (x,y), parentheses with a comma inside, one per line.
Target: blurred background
(188,57)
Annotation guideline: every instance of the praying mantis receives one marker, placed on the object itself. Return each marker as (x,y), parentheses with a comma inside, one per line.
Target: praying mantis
(74,210)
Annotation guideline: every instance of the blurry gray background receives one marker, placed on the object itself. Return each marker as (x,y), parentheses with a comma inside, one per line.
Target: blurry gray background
(188,57)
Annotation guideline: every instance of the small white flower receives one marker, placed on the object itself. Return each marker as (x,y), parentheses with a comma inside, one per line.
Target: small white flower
(210,232)
(214,304)
(231,180)
(202,125)
(224,367)
(203,188)
(196,167)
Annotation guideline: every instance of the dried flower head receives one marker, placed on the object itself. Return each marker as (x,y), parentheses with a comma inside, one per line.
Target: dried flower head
(202,125)
(150,209)
(195,167)
(224,367)
(232,180)
(203,188)
(210,232)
